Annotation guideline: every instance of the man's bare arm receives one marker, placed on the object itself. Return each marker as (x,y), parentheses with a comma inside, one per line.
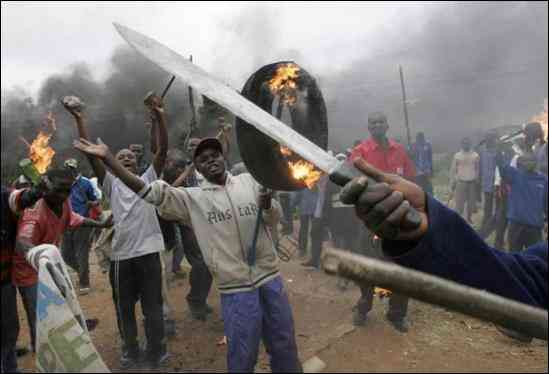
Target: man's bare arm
(96,164)
(181,179)
(102,152)
(100,224)
(153,134)
(160,136)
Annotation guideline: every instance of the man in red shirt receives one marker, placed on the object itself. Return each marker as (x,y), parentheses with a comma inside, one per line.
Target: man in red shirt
(390,157)
(12,203)
(45,223)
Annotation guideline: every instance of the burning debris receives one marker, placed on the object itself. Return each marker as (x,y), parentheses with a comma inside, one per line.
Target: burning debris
(285,151)
(40,152)
(284,83)
(306,172)
(382,292)
(301,170)
(274,87)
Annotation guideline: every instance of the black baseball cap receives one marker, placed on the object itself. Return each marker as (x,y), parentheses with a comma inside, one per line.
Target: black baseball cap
(207,143)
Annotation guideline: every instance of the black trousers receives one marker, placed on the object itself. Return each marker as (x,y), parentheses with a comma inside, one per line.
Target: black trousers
(200,278)
(139,279)
(522,236)
(318,228)
(398,304)
(10,328)
(501,222)
(288,221)
(304,222)
(76,252)
(488,217)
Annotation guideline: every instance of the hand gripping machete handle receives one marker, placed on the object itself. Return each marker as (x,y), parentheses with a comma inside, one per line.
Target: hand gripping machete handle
(343,174)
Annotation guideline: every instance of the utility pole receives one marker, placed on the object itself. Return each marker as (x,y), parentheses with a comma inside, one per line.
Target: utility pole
(406,123)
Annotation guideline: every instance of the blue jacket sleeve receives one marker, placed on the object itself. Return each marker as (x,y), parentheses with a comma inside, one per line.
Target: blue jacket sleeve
(90,191)
(453,250)
(505,169)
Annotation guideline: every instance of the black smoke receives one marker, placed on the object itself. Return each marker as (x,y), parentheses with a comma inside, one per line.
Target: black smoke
(114,109)
(472,67)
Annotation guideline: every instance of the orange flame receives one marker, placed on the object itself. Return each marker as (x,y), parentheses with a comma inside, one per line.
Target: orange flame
(542,118)
(285,151)
(301,170)
(40,152)
(284,83)
(305,171)
(382,292)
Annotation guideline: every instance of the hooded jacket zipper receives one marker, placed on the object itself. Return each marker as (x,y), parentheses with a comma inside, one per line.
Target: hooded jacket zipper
(237,229)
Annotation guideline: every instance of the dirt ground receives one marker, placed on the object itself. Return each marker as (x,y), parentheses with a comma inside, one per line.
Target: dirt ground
(438,341)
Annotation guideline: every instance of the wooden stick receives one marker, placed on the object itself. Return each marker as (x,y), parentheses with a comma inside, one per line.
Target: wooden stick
(406,123)
(438,291)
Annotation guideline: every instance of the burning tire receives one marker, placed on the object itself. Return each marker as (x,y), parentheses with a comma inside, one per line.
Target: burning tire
(274,88)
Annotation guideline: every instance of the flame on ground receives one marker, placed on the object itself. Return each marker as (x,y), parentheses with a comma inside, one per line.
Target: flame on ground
(542,118)
(305,171)
(284,83)
(382,292)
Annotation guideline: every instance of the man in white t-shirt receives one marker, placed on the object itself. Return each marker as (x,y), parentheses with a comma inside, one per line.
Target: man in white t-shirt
(464,175)
(135,271)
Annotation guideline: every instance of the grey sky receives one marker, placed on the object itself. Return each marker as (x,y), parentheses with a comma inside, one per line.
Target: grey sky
(42,38)
(468,66)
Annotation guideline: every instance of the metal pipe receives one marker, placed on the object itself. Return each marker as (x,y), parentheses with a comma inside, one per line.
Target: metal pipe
(431,289)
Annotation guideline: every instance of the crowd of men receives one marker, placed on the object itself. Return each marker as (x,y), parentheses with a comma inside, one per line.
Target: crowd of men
(185,203)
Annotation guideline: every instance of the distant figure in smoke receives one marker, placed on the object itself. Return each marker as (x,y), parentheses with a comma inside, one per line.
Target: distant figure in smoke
(391,157)
(536,137)
(487,178)
(464,175)
(305,201)
(533,142)
(527,201)
(422,153)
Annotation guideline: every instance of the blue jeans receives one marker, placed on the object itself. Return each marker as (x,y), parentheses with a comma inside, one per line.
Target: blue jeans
(10,328)
(263,313)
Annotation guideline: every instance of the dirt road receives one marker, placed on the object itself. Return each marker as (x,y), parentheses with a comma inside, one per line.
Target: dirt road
(438,341)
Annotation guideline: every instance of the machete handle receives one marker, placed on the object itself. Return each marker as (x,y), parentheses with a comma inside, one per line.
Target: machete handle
(343,174)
